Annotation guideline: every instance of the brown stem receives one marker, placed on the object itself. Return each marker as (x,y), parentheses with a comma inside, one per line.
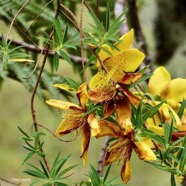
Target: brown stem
(37,84)
(36,49)
(101,157)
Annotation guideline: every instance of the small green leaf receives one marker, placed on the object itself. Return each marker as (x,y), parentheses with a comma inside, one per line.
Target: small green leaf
(151,111)
(29,155)
(97,22)
(56,61)
(65,57)
(107,17)
(173,182)
(107,173)
(181,110)
(57,28)
(44,169)
(65,33)
(24,133)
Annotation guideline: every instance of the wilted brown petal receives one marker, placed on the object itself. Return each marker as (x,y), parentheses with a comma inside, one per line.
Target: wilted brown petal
(109,108)
(85,131)
(130,78)
(99,95)
(82,95)
(72,120)
(123,111)
(132,98)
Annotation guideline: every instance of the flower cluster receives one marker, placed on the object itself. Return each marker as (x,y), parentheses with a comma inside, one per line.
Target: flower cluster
(111,105)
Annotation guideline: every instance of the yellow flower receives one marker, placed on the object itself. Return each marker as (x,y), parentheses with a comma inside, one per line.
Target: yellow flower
(121,148)
(74,118)
(173,92)
(126,58)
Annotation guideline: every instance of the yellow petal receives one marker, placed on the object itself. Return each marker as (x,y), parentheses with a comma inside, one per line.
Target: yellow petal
(126,171)
(107,128)
(143,151)
(72,120)
(123,111)
(103,54)
(63,105)
(82,95)
(85,142)
(128,61)
(65,87)
(126,42)
(94,82)
(94,125)
(175,90)
(158,80)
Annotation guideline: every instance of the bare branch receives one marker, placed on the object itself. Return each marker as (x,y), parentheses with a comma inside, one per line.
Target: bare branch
(33,48)
(101,157)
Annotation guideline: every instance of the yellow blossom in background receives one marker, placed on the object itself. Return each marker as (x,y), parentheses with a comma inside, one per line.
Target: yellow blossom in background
(173,92)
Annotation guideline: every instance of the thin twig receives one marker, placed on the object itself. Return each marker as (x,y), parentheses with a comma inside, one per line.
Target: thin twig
(55,135)
(81,40)
(101,157)
(33,48)
(36,86)
(78,28)
(16,17)
(39,14)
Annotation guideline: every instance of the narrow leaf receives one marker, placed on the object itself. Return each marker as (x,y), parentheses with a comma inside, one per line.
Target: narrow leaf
(56,61)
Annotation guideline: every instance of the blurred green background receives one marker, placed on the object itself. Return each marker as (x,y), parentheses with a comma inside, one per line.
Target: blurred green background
(15,111)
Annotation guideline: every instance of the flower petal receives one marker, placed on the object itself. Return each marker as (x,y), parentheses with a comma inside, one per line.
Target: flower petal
(82,95)
(128,61)
(175,90)
(126,42)
(103,54)
(72,120)
(130,78)
(158,80)
(65,87)
(85,142)
(107,128)
(143,151)
(123,111)
(126,171)
(109,108)
(63,105)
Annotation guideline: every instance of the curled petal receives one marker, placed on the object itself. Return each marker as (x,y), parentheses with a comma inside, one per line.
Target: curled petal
(143,151)
(85,131)
(132,98)
(123,111)
(109,108)
(94,125)
(65,87)
(82,95)
(130,78)
(126,171)
(63,105)
(158,81)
